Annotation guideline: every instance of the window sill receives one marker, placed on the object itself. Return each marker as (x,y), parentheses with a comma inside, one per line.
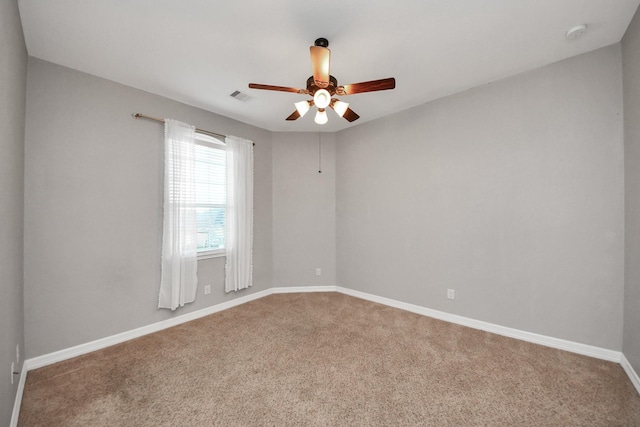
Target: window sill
(211,254)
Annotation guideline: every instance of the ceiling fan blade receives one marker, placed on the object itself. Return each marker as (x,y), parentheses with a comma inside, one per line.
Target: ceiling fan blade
(350,115)
(371,86)
(320,58)
(294,116)
(277,88)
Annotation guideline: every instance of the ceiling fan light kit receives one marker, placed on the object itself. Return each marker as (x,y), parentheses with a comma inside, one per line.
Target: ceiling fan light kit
(321,117)
(303,107)
(339,107)
(322,98)
(322,86)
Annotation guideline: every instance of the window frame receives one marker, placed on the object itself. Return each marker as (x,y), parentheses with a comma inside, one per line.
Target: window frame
(214,143)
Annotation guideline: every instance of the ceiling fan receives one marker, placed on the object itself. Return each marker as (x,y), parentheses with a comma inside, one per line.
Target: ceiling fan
(322,87)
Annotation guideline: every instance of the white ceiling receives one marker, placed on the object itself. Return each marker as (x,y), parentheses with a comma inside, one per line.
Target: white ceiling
(200,51)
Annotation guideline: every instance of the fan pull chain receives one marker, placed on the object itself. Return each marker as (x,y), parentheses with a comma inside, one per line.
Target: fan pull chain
(319,153)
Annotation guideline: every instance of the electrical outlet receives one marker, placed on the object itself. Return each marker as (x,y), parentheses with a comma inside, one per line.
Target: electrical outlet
(318,272)
(207,289)
(451,294)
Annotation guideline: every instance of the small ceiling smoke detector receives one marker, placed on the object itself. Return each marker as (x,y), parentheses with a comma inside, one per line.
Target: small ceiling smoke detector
(576,31)
(240,96)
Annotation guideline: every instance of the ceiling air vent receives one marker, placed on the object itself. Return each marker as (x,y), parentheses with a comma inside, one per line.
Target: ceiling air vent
(240,96)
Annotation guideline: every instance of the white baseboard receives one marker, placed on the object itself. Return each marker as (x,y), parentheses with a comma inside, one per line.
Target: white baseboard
(584,349)
(298,289)
(68,353)
(58,356)
(587,350)
(631,373)
(18,401)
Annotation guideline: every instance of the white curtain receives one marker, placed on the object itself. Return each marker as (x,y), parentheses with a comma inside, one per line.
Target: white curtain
(239,223)
(179,232)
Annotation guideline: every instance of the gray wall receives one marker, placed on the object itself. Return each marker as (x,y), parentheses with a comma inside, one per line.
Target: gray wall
(13,78)
(304,212)
(631,79)
(93,208)
(510,193)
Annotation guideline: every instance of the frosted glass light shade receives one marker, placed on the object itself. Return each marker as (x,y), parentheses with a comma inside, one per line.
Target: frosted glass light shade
(321,117)
(302,107)
(322,98)
(340,107)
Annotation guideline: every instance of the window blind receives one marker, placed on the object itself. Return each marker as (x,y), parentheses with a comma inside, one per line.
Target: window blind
(210,196)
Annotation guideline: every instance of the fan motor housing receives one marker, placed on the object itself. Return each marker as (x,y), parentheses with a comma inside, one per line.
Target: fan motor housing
(312,87)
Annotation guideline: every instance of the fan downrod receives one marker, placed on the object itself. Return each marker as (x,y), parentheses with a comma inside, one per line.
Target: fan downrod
(322,42)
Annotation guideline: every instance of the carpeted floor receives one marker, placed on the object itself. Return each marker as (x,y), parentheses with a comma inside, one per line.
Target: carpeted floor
(327,359)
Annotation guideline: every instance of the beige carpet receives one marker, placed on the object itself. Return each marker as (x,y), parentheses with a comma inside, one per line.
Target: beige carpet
(327,359)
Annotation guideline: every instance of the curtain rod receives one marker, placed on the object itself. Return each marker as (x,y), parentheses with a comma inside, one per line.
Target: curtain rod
(206,132)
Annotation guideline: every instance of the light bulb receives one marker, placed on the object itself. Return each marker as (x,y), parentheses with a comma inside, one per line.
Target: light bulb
(340,107)
(302,107)
(322,98)
(321,117)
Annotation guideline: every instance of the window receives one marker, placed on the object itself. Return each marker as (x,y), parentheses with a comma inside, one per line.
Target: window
(211,196)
